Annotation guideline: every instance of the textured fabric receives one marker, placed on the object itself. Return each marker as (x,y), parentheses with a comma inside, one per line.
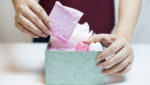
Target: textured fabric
(98,13)
(72,68)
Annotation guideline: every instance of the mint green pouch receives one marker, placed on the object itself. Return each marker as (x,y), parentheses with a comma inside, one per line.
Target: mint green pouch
(72,68)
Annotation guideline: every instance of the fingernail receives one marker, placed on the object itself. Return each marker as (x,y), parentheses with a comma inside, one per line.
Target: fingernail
(48,32)
(43,35)
(99,66)
(98,59)
(49,25)
(104,73)
(36,36)
(86,42)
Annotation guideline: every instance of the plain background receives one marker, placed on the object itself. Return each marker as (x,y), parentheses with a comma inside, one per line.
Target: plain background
(10,34)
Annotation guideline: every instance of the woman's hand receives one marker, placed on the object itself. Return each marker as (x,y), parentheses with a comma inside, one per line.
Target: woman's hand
(31,19)
(120,51)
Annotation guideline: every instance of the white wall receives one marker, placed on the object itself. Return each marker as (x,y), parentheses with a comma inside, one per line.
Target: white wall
(142,30)
(9,33)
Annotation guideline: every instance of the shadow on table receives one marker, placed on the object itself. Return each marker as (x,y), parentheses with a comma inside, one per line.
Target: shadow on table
(111,79)
(40,73)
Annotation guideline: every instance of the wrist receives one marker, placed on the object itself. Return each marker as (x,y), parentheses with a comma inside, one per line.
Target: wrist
(125,34)
(18,3)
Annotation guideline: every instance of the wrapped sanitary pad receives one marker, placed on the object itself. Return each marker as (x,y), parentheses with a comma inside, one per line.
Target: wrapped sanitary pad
(89,47)
(82,47)
(96,47)
(78,36)
(64,20)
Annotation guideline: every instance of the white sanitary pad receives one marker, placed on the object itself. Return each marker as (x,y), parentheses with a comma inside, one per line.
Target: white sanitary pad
(96,47)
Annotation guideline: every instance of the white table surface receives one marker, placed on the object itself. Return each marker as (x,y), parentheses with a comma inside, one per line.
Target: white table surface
(23,64)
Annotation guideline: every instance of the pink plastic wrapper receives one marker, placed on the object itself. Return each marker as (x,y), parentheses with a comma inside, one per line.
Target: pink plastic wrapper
(63,20)
(82,47)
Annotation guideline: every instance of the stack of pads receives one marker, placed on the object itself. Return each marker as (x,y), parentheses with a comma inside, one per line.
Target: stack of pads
(67,33)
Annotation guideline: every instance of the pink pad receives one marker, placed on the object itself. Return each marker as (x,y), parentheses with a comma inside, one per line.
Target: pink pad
(63,20)
(82,47)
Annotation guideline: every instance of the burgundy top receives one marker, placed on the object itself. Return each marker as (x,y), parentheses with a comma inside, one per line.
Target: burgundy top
(98,13)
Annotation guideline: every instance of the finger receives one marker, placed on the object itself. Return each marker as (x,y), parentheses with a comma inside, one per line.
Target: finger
(124,71)
(120,56)
(30,26)
(100,37)
(120,66)
(34,19)
(25,30)
(40,12)
(112,49)
(106,43)
(96,38)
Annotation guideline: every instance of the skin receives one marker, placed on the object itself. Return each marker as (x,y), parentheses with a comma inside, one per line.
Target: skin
(118,44)
(120,51)
(31,19)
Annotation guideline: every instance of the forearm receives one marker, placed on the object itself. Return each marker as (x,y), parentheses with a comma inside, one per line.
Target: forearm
(128,14)
(17,3)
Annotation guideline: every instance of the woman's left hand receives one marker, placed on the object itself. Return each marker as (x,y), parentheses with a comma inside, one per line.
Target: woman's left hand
(120,51)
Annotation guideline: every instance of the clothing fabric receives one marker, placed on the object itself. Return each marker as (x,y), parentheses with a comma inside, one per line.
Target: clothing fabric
(98,13)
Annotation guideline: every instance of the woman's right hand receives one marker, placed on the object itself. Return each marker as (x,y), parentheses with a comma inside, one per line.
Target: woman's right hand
(32,19)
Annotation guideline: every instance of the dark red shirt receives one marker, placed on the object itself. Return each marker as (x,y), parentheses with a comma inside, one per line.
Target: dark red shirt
(98,13)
